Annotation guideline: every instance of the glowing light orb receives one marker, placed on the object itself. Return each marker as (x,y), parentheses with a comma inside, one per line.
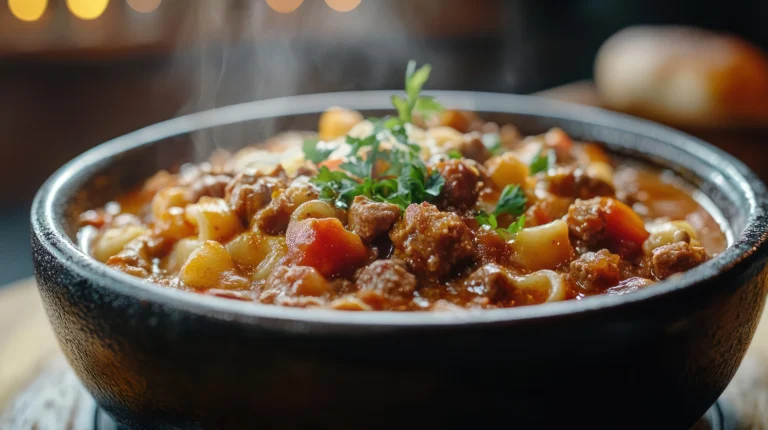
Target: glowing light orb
(27,10)
(343,5)
(144,6)
(284,6)
(87,9)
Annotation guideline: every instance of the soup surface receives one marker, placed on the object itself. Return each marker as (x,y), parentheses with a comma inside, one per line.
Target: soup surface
(429,210)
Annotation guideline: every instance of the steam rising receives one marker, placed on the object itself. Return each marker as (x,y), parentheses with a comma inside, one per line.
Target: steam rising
(245,52)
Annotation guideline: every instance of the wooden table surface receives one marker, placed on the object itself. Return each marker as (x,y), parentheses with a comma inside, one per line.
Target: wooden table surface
(28,348)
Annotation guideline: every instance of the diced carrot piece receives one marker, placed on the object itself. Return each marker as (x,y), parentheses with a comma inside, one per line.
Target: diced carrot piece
(456,119)
(331,164)
(324,243)
(623,225)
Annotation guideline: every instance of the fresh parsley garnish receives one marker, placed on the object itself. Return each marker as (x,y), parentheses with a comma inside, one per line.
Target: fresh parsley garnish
(490,222)
(414,101)
(455,154)
(315,154)
(401,178)
(511,202)
(542,161)
(492,142)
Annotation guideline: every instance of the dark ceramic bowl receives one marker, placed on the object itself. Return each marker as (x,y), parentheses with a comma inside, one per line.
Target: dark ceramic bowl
(161,358)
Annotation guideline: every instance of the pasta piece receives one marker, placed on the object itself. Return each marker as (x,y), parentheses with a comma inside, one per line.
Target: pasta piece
(172,224)
(336,122)
(667,233)
(445,138)
(168,198)
(250,249)
(180,253)
(539,287)
(210,266)
(114,239)
(213,218)
(601,171)
(507,169)
(544,247)
(273,259)
(313,209)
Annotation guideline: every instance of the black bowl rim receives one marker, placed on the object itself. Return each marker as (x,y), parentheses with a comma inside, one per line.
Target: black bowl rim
(52,236)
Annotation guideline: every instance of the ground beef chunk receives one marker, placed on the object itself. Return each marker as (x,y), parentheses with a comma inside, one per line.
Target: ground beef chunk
(574,182)
(490,282)
(274,218)
(299,286)
(370,219)
(249,193)
(210,186)
(462,184)
(433,243)
(586,221)
(472,147)
(547,208)
(675,258)
(386,284)
(134,259)
(594,272)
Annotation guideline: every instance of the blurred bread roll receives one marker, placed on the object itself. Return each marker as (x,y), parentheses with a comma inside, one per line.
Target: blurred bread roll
(684,76)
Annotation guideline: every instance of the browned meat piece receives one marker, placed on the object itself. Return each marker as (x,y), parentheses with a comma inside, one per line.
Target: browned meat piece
(576,183)
(251,177)
(210,186)
(386,284)
(462,184)
(605,222)
(586,221)
(547,209)
(675,258)
(275,216)
(473,148)
(295,286)
(247,195)
(594,272)
(491,248)
(134,259)
(491,282)
(433,243)
(370,219)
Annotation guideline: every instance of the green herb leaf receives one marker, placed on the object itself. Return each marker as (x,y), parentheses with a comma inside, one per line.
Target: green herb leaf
(427,106)
(492,142)
(542,161)
(454,154)
(487,220)
(434,185)
(407,179)
(403,108)
(511,201)
(315,154)
(415,79)
(336,186)
(516,226)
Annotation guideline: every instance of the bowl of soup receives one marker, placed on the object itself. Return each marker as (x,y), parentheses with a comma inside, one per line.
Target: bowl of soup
(332,260)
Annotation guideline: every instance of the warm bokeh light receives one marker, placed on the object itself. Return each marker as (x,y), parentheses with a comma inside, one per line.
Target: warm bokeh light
(343,5)
(284,6)
(87,9)
(27,10)
(144,6)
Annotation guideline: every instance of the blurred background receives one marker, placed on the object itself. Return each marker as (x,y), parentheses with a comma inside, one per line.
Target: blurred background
(75,73)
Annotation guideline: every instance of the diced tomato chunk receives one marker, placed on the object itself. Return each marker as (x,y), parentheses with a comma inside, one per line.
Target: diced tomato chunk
(324,243)
(623,225)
